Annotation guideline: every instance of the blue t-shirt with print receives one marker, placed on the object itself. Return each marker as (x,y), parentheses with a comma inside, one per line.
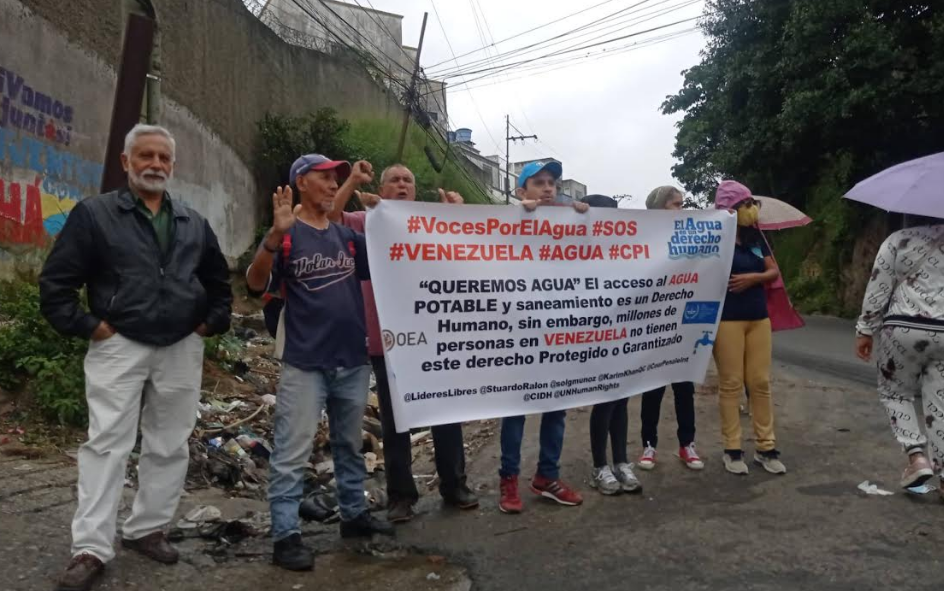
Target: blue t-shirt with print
(750,304)
(324,308)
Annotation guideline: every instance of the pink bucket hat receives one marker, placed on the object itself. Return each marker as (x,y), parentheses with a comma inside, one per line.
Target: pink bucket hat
(730,193)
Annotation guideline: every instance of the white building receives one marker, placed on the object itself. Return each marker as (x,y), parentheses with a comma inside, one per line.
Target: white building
(573,189)
(489,169)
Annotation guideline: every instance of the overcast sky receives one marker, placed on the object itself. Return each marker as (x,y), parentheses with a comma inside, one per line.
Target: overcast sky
(600,118)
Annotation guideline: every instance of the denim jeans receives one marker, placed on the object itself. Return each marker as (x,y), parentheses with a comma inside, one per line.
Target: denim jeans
(552,442)
(302,395)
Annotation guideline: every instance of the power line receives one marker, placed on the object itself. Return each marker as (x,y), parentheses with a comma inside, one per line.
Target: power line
(475,105)
(373,61)
(359,34)
(559,38)
(568,63)
(494,49)
(361,52)
(398,43)
(492,71)
(529,31)
(600,52)
(597,31)
(576,47)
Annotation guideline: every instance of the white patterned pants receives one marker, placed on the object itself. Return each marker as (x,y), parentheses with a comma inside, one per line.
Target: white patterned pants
(117,372)
(912,361)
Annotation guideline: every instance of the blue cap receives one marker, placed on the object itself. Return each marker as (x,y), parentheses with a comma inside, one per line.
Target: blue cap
(533,168)
(309,162)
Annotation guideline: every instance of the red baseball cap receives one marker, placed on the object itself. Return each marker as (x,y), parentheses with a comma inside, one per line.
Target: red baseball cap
(309,162)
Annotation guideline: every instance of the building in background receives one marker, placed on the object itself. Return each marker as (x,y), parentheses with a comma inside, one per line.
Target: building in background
(517,166)
(573,189)
(375,36)
(488,169)
(569,187)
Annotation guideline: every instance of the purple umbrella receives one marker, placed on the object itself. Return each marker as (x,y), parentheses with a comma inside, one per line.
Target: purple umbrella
(915,187)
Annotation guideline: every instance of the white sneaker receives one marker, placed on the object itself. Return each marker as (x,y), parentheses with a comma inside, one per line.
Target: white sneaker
(628,480)
(605,481)
(770,461)
(736,465)
(648,459)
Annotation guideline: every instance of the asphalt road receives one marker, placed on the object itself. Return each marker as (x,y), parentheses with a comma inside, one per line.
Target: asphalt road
(825,346)
(810,529)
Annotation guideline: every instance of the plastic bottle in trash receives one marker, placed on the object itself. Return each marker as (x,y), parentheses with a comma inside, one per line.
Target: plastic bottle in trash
(233,448)
(245,441)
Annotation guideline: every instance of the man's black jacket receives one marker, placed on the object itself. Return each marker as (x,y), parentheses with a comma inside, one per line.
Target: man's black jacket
(155,298)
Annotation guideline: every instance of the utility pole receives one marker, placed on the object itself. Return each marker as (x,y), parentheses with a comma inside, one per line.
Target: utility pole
(412,93)
(508,139)
(129,92)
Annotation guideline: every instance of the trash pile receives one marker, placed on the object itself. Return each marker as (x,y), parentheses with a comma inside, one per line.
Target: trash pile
(206,522)
(232,442)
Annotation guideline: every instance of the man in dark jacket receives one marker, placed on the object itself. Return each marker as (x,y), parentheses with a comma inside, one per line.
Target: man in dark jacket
(157,282)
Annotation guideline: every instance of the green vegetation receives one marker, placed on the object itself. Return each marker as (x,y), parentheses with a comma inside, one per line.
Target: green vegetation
(282,139)
(31,350)
(800,100)
(375,140)
(224,349)
(46,367)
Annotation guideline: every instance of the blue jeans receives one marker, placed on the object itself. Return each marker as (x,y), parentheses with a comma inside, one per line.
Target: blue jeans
(302,395)
(552,441)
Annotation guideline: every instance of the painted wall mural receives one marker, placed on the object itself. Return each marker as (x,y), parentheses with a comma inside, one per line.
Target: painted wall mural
(41,177)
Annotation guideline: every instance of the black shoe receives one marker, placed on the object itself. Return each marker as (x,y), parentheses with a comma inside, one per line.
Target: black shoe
(366,525)
(462,497)
(400,512)
(291,554)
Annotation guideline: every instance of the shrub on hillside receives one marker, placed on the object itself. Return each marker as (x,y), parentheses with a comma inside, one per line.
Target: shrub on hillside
(281,139)
(32,352)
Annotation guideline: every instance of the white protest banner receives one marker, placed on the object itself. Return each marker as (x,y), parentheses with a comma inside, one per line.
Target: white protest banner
(492,311)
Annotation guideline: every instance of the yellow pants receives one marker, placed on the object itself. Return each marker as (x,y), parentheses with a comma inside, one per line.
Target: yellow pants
(742,353)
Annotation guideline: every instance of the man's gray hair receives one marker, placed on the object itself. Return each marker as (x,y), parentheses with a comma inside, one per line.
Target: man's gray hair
(386,171)
(142,129)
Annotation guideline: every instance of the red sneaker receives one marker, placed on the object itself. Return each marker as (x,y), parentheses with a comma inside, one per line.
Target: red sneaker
(688,455)
(510,501)
(556,490)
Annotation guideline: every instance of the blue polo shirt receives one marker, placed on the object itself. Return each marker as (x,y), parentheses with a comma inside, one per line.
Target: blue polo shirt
(750,304)
(324,308)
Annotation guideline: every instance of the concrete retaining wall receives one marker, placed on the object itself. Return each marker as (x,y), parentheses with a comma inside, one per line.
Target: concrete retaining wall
(221,71)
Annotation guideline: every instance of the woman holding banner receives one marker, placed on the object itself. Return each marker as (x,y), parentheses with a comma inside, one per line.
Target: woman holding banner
(742,348)
(609,421)
(684,392)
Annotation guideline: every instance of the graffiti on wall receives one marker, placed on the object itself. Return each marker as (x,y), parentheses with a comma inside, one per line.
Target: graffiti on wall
(41,179)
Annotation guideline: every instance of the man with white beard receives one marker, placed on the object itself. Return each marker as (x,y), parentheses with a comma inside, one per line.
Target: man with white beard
(157,283)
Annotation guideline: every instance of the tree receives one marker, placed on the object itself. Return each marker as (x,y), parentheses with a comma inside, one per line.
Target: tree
(800,100)
(784,88)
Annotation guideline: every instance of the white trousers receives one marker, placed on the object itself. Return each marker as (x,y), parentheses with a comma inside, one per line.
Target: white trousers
(911,361)
(118,371)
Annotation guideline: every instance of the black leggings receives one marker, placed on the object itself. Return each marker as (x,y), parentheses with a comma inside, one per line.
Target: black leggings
(609,418)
